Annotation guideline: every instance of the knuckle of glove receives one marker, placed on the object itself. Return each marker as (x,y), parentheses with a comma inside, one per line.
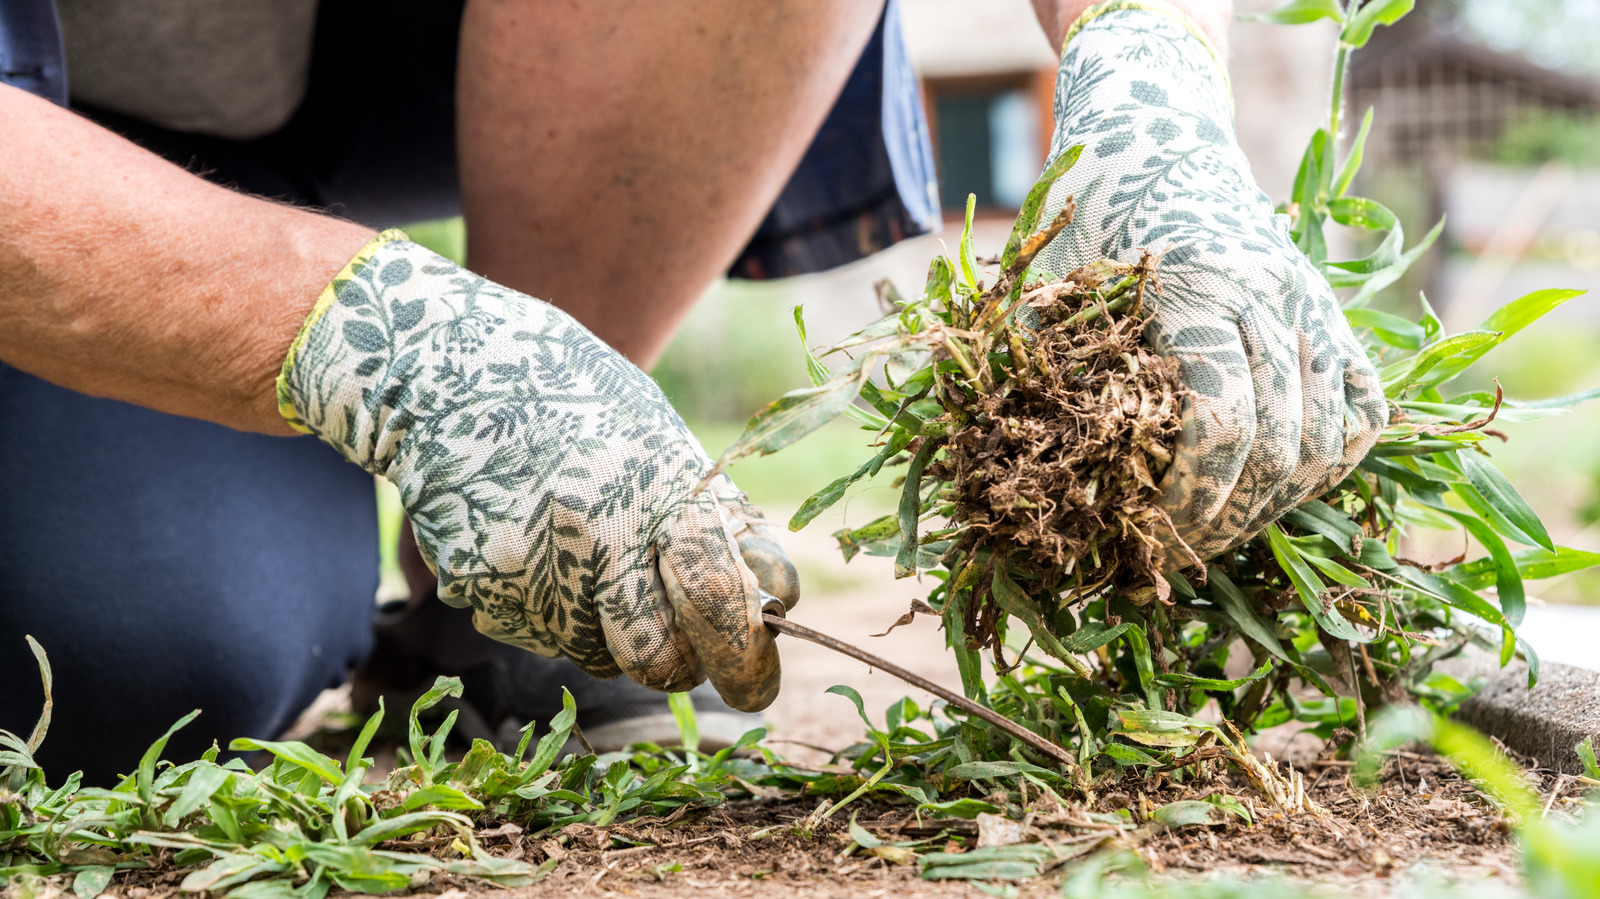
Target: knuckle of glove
(713,604)
(1283,400)
(758,545)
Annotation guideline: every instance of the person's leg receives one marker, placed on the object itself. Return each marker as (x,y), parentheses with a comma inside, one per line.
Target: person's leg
(167,564)
(615,158)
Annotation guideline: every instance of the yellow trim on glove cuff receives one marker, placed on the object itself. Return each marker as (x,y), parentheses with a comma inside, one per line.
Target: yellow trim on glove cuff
(329,294)
(1157,6)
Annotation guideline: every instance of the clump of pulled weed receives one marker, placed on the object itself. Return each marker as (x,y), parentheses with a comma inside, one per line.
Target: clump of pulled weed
(1057,465)
(1030,428)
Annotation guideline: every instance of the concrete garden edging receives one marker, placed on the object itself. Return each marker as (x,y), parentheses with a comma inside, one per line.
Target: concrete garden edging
(1546,722)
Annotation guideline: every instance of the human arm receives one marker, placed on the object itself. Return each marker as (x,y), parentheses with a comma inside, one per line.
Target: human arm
(123,276)
(620,189)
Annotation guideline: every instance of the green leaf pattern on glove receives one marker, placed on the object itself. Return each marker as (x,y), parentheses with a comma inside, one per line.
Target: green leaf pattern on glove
(549,481)
(1285,402)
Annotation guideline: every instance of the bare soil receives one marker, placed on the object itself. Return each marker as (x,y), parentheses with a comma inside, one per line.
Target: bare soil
(1422,813)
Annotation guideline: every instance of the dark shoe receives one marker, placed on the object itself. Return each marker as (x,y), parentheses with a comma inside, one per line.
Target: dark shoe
(505,687)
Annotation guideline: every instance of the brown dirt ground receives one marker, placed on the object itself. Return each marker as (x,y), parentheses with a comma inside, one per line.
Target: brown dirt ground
(1423,812)
(1372,844)
(1423,815)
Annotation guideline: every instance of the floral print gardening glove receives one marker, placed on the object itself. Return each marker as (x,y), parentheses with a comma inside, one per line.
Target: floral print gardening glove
(1284,402)
(550,484)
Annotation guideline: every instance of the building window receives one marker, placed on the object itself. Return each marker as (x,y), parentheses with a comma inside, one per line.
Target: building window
(988,141)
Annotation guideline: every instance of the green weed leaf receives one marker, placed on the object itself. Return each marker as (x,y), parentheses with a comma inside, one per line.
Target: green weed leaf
(827,496)
(1391,329)
(1352,162)
(1027,223)
(796,414)
(1309,587)
(1299,12)
(1501,497)
(905,561)
(1358,30)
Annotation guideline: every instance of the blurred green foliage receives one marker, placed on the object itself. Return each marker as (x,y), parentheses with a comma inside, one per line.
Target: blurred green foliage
(734,352)
(1542,135)
(447,237)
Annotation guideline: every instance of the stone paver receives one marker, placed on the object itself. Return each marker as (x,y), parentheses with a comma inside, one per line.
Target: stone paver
(1563,708)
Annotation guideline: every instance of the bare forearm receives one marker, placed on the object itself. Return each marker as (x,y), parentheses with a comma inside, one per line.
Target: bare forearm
(1213,16)
(123,276)
(615,157)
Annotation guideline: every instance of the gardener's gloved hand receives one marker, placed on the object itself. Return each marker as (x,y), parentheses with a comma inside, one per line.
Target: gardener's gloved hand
(1285,402)
(549,482)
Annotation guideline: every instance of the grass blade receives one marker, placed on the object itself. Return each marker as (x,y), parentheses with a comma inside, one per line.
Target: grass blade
(1358,30)
(796,414)
(1309,586)
(203,784)
(905,561)
(1533,564)
(1508,580)
(1391,329)
(550,744)
(1208,683)
(824,499)
(295,753)
(364,739)
(1299,12)
(1033,205)
(1495,490)
(1242,613)
(47,678)
(1392,273)
(1352,162)
(1402,375)
(145,779)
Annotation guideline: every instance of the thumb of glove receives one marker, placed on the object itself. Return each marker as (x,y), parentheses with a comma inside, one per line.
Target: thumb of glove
(713,601)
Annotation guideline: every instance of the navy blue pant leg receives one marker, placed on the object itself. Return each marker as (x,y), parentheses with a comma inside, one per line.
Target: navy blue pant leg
(168,564)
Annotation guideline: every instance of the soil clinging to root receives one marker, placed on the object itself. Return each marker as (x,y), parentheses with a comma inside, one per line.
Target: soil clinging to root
(1056,469)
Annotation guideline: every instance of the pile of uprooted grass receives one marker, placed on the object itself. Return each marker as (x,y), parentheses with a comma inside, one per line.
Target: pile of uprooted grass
(1036,426)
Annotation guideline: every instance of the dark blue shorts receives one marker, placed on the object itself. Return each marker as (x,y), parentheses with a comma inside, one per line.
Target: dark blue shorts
(168,564)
